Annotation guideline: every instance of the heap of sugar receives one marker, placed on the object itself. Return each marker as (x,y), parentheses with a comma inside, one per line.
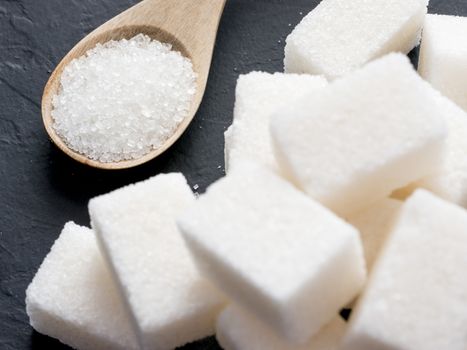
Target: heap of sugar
(170,303)
(416,296)
(365,135)
(123,99)
(257,96)
(74,299)
(237,330)
(274,251)
(442,56)
(374,224)
(341,35)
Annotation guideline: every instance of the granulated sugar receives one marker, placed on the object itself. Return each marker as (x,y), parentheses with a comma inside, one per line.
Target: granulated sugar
(123,98)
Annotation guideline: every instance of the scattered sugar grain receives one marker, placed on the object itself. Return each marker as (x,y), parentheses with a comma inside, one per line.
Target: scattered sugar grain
(123,99)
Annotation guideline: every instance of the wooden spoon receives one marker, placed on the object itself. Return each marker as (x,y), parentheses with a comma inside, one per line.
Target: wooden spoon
(190,26)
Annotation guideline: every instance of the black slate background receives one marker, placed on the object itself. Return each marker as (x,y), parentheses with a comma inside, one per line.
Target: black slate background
(41,188)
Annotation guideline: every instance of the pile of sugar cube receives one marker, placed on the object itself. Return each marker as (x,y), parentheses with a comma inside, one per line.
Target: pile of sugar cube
(346,186)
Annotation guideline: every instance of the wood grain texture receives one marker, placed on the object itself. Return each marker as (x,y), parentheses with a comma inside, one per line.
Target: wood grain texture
(189,26)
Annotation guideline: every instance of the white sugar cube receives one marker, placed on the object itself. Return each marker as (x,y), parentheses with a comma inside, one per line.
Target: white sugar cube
(274,251)
(450,181)
(341,35)
(375,223)
(442,56)
(237,330)
(74,299)
(363,136)
(169,302)
(257,96)
(416,296)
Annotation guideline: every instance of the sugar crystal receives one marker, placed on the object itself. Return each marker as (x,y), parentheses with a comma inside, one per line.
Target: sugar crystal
(123,98)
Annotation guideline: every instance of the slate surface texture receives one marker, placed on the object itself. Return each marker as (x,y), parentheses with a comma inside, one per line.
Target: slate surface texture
(41,188)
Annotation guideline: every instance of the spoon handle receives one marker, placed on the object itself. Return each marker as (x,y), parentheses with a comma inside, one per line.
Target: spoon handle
(191,21)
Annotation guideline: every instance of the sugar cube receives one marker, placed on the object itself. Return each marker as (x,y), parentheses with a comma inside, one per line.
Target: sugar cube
(257,96)
(442,56)
(375,223)
(341,35)
(416,295)
(363,136)
(74,299)
(274,251)
(169,302)
(236,330)
(450,181)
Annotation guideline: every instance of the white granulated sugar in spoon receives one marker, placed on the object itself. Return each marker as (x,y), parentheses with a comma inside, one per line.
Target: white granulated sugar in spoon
(123,98)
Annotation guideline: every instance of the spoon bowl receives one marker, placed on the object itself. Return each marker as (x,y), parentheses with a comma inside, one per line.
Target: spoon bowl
(189,26)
